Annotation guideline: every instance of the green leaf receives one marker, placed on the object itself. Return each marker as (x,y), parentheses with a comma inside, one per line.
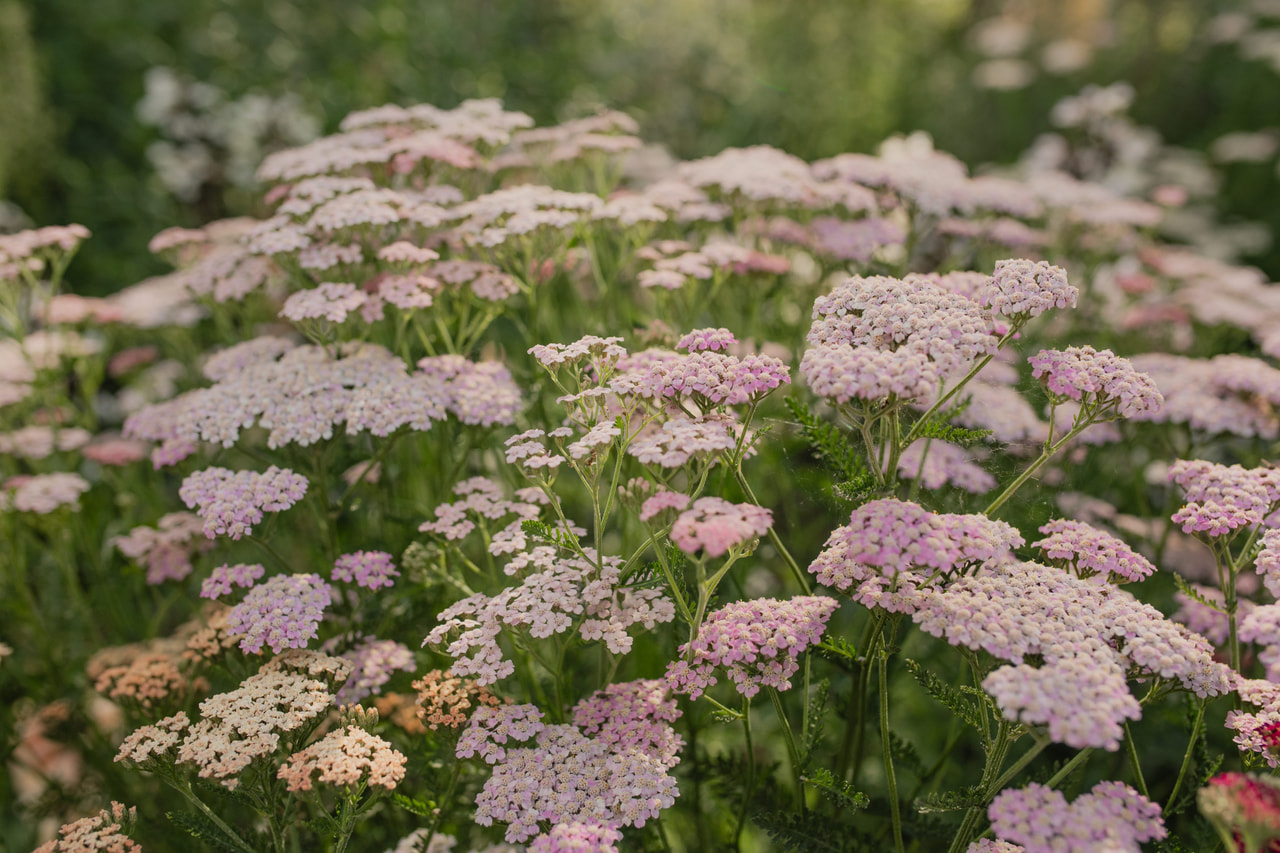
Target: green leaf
(543,532)
(939,431)
(422,808)
(839,651)
(198,825)
(856,491)
(811,834)
(955,700)
(905,755)
(828,443)
(817,721)
(1187,590)
(838,791)
(950,801)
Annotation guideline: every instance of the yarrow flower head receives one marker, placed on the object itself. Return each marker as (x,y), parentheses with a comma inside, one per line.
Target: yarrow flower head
(1087,551)
(373,662)
(349,757)
(104,831)
(222,579)
(231,502)
(330,301)
(1222,499)
(369,569)
(700,340)
(1099,380)
(714,525)
(1244,808)
(1111,816)
(283,613)
(758,643)
(1021,289)
(167,548)
(577,838)
(45,493)
(449,700)
(633,714)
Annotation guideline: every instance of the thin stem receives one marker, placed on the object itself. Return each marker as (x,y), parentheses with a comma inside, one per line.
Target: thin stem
(1186,757)
(796,572)
(1132,751)
(887,750)
(751,773)
(793,752)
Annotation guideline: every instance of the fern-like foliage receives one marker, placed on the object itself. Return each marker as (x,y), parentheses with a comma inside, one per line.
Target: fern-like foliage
(905,755)
(838,791)
(1187,590)
(200,826)
(421,808)
(828,443)
(838,651)
(964,702)
(816,722)
(543,532)
(950,801)
(810,834)
(939,426)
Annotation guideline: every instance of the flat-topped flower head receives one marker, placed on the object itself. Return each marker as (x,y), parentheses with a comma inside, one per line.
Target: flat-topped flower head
(166,549)
(896,535)
(284,612)
(1088,551)
(349,757)
(492,726)
(590,349)
(708,379)
(373,662)
(1021,289)
(369,569)
(633,714)
(44,493)
(1083,700)
(1268,562)
(842,374)
(105,831)
(1098,379)
(757,643)
(1244,807)
(222,579)
(577,838)
(714,525)
(231,502)
(1112,817)
(1221,499)
(700,340)
(445,699)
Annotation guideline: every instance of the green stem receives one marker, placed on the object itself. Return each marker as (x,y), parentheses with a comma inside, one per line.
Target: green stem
(1186,757)
(887,750)
(796,571)
(1132,751)
(793,752)
(751,773)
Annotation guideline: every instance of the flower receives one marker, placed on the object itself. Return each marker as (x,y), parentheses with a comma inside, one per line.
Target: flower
(104,831)
(1088,551)
(349,757)
(1099,380)
(231,502)
(222,579)
(1111,814)
(369,569)
(1021,289)
(373,662)
(758,643)
(1244,807)
(714,525)
(45,493)
(283,613)
(167,548)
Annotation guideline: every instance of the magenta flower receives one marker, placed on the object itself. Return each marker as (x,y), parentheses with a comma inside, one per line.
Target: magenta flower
(369,569)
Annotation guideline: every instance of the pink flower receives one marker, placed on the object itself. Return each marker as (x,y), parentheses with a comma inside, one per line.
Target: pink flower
(369,569)
(283,613)
(714,525)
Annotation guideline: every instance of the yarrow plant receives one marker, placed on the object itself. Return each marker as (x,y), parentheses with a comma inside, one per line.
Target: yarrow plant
(527,451)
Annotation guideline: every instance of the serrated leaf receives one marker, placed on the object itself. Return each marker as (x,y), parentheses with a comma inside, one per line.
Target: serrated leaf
(1187,590)
(837,650)
(838,791)
(950,801)
(200,826)
(905,755)
(723,716)
(827,442)
(543,532)
(811,834)
(817,721)
(951,698)
(419,807)
(857,490)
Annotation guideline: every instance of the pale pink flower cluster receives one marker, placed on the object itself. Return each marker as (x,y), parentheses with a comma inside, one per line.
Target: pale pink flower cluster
(44,493)
(369,569)
(1088,551)
(167,548)
(1222,499)
(115,452)
(1244,805)
(479,393)
(568,777)
(714,525)
(1020,289)
(1267,563)
(1231,394)
(1112,817)
(843,374)
(231,502)
(349,757)
(1099,379)
(678,440)
(373,662)
(482,498)
(1013,610)
(492,726)
(37,442)
(24,244)
(577,837)
(147,680)
(225,577)
(661,502)
(404,252)
(104,831)
(1258,731)
(562,592)
(758,644)
(709,379)
(637,714)
(331,301)
(591,350)
(284,613)
(700,340)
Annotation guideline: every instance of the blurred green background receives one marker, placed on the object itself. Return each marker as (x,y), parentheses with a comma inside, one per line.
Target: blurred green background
(78,143)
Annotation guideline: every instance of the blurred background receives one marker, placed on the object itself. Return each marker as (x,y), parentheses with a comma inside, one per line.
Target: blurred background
(129,116)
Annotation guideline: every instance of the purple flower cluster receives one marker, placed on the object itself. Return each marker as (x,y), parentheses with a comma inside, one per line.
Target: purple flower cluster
(231,502)
(224,578)
(329,301)
(1037,695)
(369,569)
(373,662)
(633,714)
(1231,394)
(284,612)
(843,374)
(1020,289)
(1221,499)
(1112,816)
(568,777)
(165,549)
(709,379)
(701,340)
(680,439)
(1267,563)
(1088,551)
(481,499)
(1097,379)
(577,838)
(938,463)
(491,726)
(714,525)
(758,643)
